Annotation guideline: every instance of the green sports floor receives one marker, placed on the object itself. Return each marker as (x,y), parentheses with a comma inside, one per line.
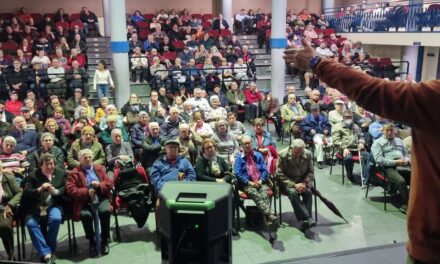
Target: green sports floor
(369,226)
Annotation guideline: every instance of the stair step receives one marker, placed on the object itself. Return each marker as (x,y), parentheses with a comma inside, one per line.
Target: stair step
(98,49)
(265,56)
(241,37)
(99,55)
(98,45)
(262,62)
(98,39)
(257,51)
(248,42)
(93,61)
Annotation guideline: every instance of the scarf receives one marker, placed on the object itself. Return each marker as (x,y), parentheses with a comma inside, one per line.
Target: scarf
(252,168)
(215,167)
(90,176)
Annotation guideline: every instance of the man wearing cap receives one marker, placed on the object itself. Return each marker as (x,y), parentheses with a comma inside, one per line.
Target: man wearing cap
(316,130)
(349,139)
(335,116)
(32,122)
(171,167)
(38,78)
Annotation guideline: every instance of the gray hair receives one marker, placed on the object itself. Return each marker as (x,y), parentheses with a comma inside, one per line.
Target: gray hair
(10,139)
(183,126)
(47,134)
(153,124)
(116,131)
(298,143)
(213,97)
(246,137)
(16,119)
(84,152)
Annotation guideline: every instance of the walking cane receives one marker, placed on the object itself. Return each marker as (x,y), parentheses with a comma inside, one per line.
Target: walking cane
(360,161)
(96,223)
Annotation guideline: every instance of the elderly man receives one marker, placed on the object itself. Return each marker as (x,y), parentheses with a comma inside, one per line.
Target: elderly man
(42,205)
(105,135)
(236,100)
(217,112)
(335,116)
(90,189)
(170,128)
(56,75)
(389,151)
(47,146)
(187,112)
(77,78)
(152,146)
(87,141)
(27,139)
(73,102)
(119,150)
(315,98)
(139,131)
(31,122)
(54,103)
(293,114)
(10,194)
(198,102)
(291,89)
(170,167)
(317,130)
(350,140)
(295,172)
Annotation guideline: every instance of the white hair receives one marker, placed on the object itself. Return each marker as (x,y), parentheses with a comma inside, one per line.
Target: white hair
(298,143)
(84,152)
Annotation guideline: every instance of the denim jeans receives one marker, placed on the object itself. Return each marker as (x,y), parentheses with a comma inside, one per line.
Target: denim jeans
(103,90)
(45,242)
(86,27)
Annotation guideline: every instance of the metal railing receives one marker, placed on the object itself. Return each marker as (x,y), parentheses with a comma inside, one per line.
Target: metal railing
(387,16)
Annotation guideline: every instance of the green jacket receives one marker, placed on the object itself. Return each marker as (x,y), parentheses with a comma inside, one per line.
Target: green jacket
(71,104)
(56,152)
(5,127)
(231,98)
(106,136)
(151,152)
(98,153)
(347,137)
(288,114)
(12,192)
(291,171)
(203,170)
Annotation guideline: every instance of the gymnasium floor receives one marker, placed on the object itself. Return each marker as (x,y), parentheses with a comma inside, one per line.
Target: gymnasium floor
(369,226)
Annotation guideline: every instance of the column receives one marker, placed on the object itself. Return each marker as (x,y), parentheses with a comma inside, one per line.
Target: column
(278,43)
(106,8)
(227,13)
(328,7)
(411,54)
(119,48)
(415,7)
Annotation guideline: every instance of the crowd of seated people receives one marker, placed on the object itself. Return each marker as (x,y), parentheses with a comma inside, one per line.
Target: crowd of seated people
(174,50)
(43,53)
(192,133)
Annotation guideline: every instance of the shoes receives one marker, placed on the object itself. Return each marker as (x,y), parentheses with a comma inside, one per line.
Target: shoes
(48,259)
(304,225)
(320,165)
(311,222)
(92,250)
(403,209)
(104,248)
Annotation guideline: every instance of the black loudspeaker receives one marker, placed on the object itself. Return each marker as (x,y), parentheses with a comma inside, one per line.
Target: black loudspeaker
(196,222)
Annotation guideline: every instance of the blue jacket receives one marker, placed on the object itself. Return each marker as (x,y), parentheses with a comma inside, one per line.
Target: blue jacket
(137,136)
(319,126)
(240,169)
(267,139)
(163,171)
(25,141)
(149,46)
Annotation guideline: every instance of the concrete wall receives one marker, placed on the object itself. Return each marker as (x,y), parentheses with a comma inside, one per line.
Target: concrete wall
(430,63)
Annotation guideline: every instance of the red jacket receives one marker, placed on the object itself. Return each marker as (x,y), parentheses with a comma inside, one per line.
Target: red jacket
(76,187)
(252,97)
(13,107)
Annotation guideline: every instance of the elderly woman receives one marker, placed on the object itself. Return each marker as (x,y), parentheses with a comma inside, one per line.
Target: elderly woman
(262,140)
(47,141)
(87,141)
(188,142)
(88,186)
(11,196)
(210,166)
(118,151)
(13,162)
(271,110)
(60,140)
(200,127)
(227,145)
(110,110)
(100,112)
(84,104)
(252,177)
(105,135)
(216,113)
